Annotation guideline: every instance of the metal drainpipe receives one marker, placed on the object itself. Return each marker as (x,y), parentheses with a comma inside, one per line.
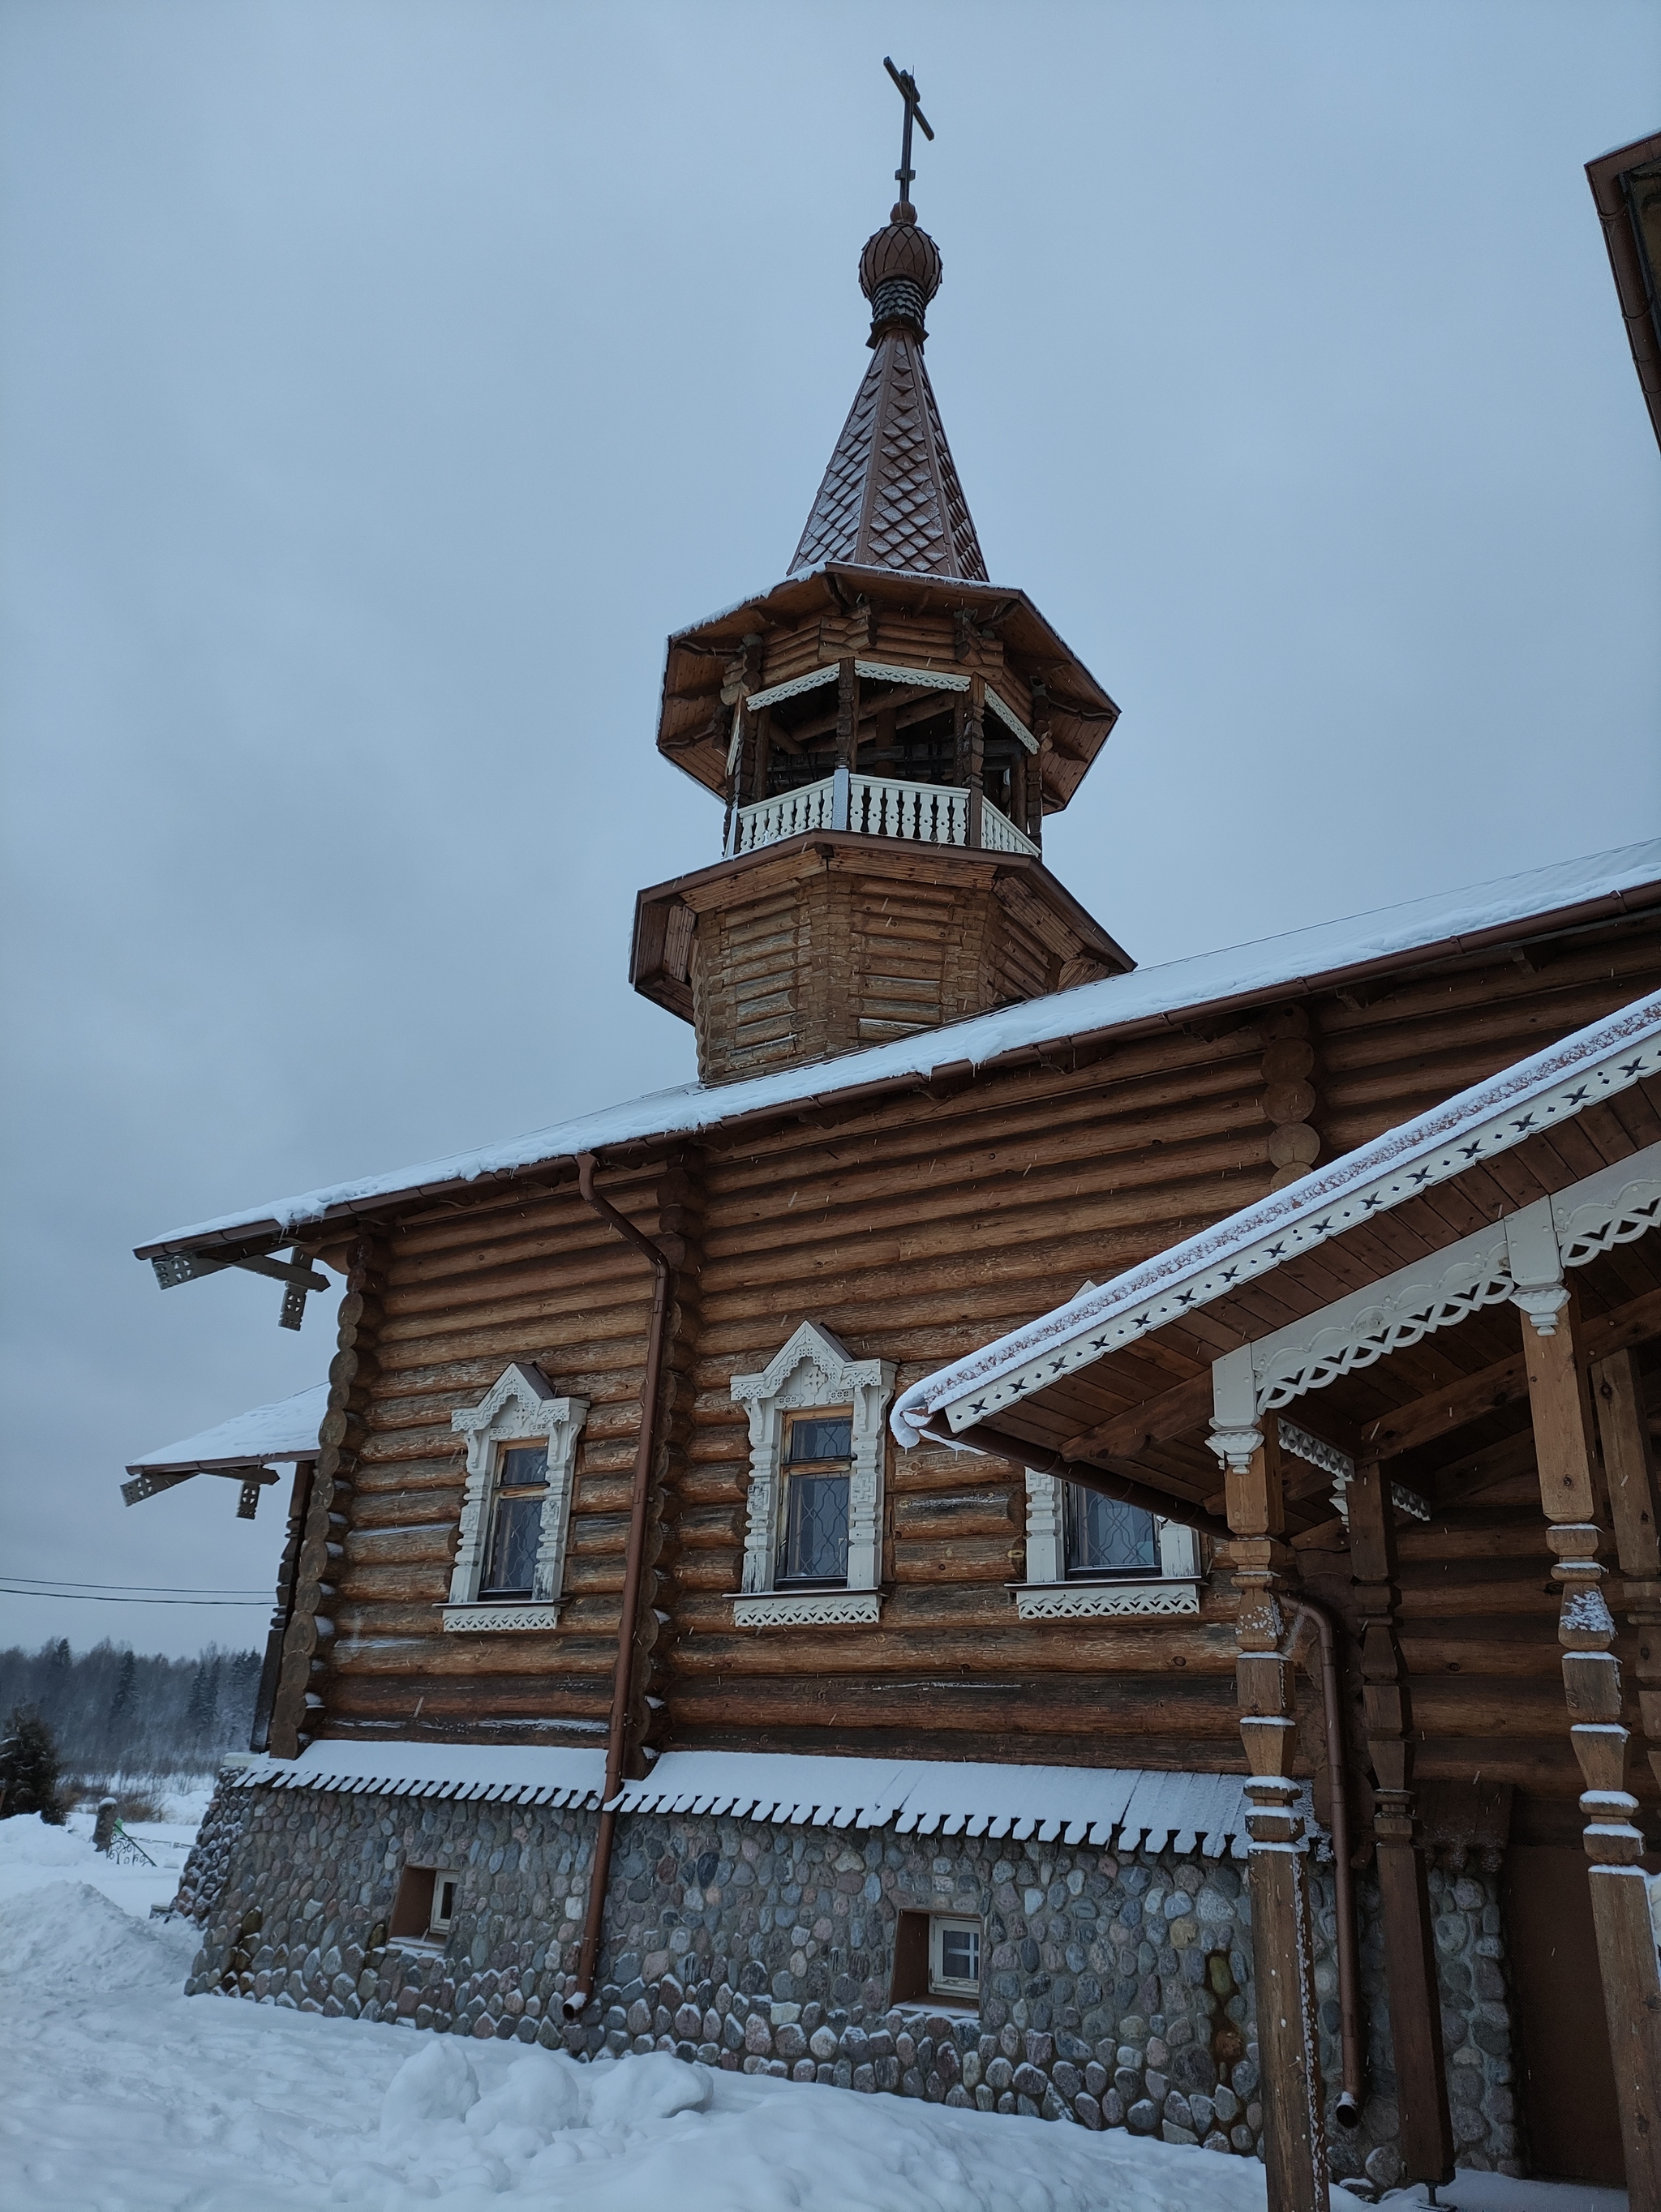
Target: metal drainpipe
(1348,2108)
(623,1674)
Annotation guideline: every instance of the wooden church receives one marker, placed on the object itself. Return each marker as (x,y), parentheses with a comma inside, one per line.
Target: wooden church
(1050,1536)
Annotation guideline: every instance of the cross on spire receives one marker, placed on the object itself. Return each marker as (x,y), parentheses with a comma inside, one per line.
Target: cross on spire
(908,91)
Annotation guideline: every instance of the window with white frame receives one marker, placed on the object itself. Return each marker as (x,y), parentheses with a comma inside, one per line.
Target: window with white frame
(515,1515)
(1089,1554)
(817,1447)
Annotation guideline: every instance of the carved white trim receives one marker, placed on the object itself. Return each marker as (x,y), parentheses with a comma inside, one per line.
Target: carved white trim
(1010,719)
(1521,1259)
(1315,1451)
(808,1609)
(1089,1600)
(892,671)
(797,685)
(1554,1087)
(815,1368)
(492,1614)
(519,1407)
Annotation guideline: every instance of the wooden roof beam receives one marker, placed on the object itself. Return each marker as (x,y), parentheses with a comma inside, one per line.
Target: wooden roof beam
(1422,1420)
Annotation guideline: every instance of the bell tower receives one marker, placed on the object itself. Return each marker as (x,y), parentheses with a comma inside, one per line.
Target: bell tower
(888,730)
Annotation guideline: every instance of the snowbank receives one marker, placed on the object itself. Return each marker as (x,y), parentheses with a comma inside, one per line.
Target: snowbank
(121,2091)
(34,1857)
(69,1938)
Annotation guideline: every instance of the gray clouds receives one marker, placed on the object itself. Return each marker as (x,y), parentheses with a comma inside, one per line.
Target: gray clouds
(383,382)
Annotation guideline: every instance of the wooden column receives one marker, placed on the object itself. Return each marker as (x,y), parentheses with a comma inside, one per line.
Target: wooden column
(847,723)
(1265,1569)
(1561,1399)
(300,1685)
(1425,2141)
(1629,1463)
(975,754)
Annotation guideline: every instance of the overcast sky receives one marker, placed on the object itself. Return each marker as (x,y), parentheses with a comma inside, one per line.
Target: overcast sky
(383,382)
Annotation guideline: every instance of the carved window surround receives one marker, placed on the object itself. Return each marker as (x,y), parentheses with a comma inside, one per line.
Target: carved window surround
(520,1408)
(1520,1259)
(813,1370)
(1051,1594)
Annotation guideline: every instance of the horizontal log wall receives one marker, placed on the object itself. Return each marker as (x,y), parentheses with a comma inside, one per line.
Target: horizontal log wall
(916,1225)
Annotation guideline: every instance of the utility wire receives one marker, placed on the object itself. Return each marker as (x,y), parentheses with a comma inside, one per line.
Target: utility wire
(91,1597)
(153,1589)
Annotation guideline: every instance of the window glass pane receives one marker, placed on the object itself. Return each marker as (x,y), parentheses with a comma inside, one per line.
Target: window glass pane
(822,1439)
(523,1467)
(816,1528)
(960,1954)
(1106,1537)
(515,1533)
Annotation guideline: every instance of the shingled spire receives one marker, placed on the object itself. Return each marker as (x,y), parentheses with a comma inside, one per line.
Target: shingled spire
(891,497)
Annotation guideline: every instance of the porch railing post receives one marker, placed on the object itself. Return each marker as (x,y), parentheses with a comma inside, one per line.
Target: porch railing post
(1425,2141)
(1560,1399)
(1265,1571)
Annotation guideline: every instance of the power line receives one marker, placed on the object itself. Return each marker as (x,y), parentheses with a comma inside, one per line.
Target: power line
(92,1597)
(152,1590)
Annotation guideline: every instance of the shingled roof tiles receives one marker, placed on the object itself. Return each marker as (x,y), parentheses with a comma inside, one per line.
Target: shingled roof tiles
(891,497)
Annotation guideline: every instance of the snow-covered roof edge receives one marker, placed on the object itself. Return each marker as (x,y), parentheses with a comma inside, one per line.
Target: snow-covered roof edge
(286,1429)
(1145,1809)
(1491,1117)
(1179,989)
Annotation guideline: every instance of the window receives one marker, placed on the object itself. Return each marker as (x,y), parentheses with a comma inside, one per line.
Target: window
(521,1492)
(812,1544)
(425,1908)
(516,1513)
(1088,1554)
(818,1457)
(937,1958)
(1106,1537)
(954,1958)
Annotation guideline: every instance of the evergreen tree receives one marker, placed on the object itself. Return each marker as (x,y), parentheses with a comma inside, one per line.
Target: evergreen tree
(121,1701)
(30,1767)
(199,1714)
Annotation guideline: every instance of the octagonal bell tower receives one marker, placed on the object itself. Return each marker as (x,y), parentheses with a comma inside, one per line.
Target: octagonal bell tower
(888,730)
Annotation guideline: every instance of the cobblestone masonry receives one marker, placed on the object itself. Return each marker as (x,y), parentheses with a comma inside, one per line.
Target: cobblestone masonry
(1115,1990)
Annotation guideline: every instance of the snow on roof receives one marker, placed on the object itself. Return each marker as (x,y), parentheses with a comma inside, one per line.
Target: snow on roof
(1241,974)
(284,1429)
(1551,1087)
(1148,1810)
(528,1774)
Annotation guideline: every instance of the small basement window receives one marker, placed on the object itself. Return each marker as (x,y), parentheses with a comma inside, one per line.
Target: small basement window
(937,1956)
(425,1906)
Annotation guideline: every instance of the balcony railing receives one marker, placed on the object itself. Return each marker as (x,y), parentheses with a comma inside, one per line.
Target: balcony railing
(876,806)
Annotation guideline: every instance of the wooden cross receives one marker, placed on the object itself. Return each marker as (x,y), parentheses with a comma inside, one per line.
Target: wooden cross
(908,90)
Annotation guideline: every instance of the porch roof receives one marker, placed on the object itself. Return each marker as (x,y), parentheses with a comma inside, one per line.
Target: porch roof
(1121,1377)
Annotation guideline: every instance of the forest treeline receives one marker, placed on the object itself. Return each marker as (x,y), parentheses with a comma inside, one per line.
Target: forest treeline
(112,1711)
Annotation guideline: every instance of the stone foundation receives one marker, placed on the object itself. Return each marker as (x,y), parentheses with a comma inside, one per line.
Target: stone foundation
(1115,1989)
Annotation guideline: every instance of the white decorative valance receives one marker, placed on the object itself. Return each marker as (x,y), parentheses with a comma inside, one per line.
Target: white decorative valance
(1520,1259)
(813,1369)
(520,1408)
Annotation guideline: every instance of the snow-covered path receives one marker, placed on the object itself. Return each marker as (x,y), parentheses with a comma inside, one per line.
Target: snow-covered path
(123,2096)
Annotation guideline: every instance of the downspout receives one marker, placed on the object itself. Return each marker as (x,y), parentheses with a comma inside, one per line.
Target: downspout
(1347,2111)
(622,1674)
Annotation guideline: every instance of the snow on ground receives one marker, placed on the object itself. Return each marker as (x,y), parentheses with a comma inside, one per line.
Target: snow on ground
(33,1854)
(124,2096)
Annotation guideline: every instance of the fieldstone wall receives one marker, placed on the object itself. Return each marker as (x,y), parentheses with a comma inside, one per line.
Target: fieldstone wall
(202,1877)
(1116,1988)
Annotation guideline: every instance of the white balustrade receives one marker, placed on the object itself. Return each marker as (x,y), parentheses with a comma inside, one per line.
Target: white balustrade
(879,806)
(999,835)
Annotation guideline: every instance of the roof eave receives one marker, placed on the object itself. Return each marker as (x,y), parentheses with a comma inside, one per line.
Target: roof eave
(1606,906)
